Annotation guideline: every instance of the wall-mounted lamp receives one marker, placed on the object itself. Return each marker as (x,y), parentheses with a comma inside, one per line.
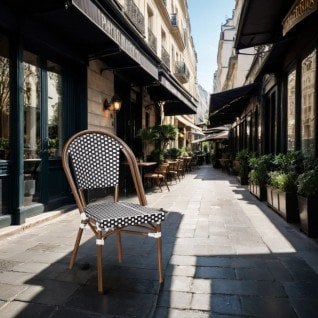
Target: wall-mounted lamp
(114,104)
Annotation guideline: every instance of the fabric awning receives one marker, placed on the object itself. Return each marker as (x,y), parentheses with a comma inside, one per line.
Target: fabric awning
(219,136)
(226,106)
(261,22)
(177,100)
(213,137)
(188,123)
(110,28)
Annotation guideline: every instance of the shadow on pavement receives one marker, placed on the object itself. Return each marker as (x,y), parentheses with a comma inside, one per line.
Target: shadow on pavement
(131,287)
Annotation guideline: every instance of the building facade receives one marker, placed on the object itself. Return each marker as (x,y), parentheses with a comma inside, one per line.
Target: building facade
(276,110)
(62,65)
(232,67)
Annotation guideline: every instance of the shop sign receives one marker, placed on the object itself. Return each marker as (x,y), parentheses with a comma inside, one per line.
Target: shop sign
(299,11)
(112,31)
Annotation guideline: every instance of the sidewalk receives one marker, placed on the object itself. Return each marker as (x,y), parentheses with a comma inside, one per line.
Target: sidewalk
(226,255)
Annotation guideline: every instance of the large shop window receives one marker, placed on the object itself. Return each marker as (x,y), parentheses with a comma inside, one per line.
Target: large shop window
(54,109)
(4,121)
(42,87)
(32,118)
(308,84)
(291,110)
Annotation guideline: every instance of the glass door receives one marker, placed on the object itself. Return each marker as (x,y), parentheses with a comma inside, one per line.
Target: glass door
(42,129)
(32,132)
(4,122)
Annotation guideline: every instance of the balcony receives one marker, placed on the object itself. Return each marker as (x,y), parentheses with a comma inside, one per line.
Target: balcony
(174,19)
(135,15)
(152,41)
(165,56)
(181,72)
(177,30)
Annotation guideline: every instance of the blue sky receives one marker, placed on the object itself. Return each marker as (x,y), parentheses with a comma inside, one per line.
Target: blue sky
(206,17)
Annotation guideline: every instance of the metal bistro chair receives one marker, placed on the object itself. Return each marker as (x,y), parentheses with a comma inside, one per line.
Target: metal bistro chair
(91,161)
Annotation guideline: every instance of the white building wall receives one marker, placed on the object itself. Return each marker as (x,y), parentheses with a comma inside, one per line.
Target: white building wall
(232,67)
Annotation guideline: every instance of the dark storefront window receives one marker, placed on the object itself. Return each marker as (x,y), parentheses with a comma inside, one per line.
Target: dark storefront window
(32,117)
(291,110)
(248,133)
(4,97)
(54,109)
(4,121)
(308,85)
(42,122)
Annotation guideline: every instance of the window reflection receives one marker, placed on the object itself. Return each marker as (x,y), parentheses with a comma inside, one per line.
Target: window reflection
(31,97)
(291,102)
(4,98)
(54,108)
(307,102)
(32,110)
(4,122)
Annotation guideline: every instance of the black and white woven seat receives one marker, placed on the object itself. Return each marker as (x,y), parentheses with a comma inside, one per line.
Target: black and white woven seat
(112,215)
(91,161)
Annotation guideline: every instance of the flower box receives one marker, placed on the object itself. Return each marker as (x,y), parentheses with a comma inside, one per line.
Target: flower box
(308,213)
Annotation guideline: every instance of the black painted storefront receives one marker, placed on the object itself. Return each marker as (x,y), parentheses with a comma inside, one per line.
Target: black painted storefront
(32,179)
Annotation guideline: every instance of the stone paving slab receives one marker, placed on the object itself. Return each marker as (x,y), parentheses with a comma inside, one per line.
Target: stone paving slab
(225,255)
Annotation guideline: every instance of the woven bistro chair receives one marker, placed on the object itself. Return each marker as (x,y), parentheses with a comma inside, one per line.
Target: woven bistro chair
(159,175)
(91,161)
(173,170)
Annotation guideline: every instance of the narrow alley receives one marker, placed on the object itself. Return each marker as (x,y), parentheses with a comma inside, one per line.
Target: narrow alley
(225,254)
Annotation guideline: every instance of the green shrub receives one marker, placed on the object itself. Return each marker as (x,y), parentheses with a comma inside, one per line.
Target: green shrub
(283,181)
(4,143)
(307,183)
(173,153)
(157,155)
(53,143)
(292,161)
(243,157)
(260,167)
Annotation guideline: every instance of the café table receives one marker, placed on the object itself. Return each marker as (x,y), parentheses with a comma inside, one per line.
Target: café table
(145,164)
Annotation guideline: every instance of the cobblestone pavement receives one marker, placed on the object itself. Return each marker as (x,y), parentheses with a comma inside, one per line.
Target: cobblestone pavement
(225,255)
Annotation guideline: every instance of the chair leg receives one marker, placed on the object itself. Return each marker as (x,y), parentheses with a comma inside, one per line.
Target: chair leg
(119,247)
(159,255)
(75,249)
(166,184)
(159,184)
(100,243)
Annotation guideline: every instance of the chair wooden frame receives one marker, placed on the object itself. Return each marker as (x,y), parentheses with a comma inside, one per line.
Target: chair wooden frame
(160,174)
(151,230)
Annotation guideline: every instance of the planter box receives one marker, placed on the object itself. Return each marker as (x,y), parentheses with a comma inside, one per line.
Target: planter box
(258,191)
(242,180)
(284,203)
(269,196)
(308,212)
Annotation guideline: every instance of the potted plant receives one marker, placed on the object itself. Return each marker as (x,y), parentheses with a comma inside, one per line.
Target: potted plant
(173,153)
(147,137)
(281,190)
(258,176)
(307,189)
(243,168)
(4,146)
(157,155)
(53,145)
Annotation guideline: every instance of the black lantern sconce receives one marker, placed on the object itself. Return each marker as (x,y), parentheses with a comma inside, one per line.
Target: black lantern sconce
(113,105)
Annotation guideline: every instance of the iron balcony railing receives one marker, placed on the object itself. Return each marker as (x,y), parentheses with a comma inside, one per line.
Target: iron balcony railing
(135,15)
(152,40)
(165,56)
(181,72)
(174,19)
